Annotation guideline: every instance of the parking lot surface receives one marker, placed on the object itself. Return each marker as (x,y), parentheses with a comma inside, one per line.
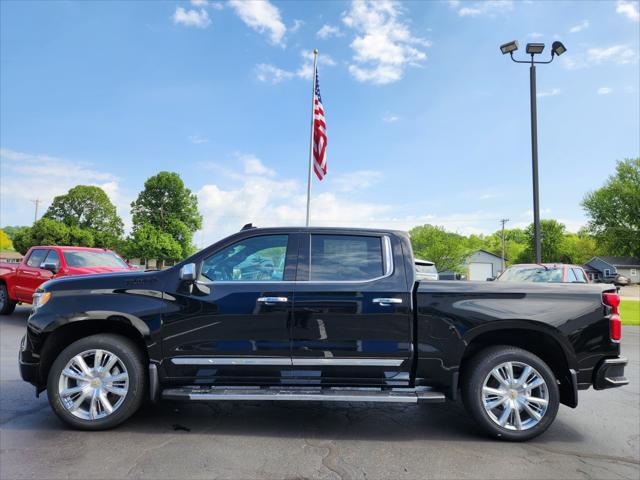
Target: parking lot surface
(234,440)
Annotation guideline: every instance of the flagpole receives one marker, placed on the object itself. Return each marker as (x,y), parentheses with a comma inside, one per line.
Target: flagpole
(313,97)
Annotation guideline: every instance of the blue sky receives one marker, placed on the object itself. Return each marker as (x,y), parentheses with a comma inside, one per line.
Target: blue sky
(427,121)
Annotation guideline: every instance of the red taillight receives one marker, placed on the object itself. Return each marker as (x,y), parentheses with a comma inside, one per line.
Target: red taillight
(615,324)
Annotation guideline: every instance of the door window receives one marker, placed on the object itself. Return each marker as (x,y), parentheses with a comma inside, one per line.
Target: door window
(255,259)
(571,276)
(53,257)
(580,277)
(345,258)
(36,258)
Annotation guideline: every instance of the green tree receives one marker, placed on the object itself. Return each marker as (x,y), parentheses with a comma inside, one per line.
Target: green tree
(5,241)
(89,208)
(515,243)
(44,232)
(578,248)
(447,250)
(614,210)
(149,242)
(552,238)
(168,206)
(12,231)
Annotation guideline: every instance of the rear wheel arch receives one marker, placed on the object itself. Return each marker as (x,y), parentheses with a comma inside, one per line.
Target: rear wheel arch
(63,336)
(539,342)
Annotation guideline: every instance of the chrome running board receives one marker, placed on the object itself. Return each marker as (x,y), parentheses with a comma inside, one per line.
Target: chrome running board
(396,395)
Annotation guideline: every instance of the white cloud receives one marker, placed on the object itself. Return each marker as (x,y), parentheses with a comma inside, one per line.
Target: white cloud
(262,16)
(548,93)
(604,91)
(628,9)
(383,45)
(26,176)
(254,166)
(358,180)
(297,25)
(197,139)
(199,3)
(583,25)
(390,118)
(618,54)
(488,7)
(536,35)
(328,31)
(191,18)
(266,72)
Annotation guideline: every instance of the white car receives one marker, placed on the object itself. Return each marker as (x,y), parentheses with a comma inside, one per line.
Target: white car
(426,270)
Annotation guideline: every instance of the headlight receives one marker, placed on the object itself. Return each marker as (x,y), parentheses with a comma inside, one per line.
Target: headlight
(40,298)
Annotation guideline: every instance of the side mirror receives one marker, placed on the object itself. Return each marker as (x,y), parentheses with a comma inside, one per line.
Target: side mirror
(52,267)
(188,272)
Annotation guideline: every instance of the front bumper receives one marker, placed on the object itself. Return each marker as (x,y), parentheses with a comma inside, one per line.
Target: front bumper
(29,369)
(610,374)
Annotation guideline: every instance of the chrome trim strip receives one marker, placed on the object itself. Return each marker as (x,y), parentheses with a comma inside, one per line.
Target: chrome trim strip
(352,362)
(308,362)
(387,301)
(272,300)
(230,361)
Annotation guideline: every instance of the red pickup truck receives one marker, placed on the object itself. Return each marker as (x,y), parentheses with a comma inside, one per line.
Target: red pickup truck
(18,282)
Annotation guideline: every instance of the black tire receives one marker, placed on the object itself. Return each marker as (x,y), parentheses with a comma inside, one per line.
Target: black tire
(7,306)
(479,368)
(130,355)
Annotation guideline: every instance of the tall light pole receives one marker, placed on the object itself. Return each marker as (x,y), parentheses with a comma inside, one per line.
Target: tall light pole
(503,221)
(533,49)
(37,202)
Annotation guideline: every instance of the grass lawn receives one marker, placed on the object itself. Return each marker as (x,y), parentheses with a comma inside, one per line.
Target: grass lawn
(630,312)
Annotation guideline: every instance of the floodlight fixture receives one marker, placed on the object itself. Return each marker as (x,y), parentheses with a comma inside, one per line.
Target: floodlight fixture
(535,48)
(558,48)
(509,47)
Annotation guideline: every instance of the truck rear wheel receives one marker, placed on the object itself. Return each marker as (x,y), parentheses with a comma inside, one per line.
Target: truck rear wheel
(7,306)
(97,382)
(511,393)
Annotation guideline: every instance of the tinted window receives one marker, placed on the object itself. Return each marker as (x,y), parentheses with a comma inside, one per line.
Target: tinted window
(53,257)
(36,258)
(88,258)
(253,259)
(345,258)
(531,274)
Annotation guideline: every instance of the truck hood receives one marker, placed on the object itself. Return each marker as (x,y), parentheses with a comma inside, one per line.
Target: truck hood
(118,280)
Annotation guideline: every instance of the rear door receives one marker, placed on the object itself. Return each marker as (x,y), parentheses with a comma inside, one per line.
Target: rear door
(351,314)
(234,325)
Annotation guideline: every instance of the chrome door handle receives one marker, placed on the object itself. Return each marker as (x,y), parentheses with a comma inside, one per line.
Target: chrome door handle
(272,300)
(387,302)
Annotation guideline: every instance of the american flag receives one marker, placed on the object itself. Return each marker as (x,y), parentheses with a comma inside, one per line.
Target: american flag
(319,134)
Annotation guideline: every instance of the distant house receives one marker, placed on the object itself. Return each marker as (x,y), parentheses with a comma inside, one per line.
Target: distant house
(10,257)
(150,263)
(479,265)
(606,268)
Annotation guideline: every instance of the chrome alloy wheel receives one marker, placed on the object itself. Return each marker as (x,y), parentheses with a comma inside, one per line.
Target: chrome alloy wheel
(93,392)
(515,396)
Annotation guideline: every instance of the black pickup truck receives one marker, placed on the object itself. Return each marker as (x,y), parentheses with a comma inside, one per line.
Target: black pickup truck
(318,314)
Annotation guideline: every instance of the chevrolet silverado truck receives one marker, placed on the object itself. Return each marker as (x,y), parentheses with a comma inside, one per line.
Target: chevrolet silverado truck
(19,282)
(318,314)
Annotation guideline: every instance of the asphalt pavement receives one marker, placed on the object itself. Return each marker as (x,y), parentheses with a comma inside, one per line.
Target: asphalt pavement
(238,440)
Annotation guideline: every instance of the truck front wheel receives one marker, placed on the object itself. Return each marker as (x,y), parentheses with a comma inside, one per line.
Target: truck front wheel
(97,382)
(510,392)
(7,306)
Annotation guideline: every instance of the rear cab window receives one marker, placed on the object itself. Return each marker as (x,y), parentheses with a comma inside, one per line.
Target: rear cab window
(347,258)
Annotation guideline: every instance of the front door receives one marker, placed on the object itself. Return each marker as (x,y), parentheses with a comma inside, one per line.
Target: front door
(233,326)
(352,317)
(30,276)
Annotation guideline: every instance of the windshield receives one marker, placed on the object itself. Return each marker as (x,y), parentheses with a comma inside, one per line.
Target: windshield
(426,269)
(533,273)
(87,258)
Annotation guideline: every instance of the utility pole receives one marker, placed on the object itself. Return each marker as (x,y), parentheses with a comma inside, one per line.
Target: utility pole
(503,221)
(37,202)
